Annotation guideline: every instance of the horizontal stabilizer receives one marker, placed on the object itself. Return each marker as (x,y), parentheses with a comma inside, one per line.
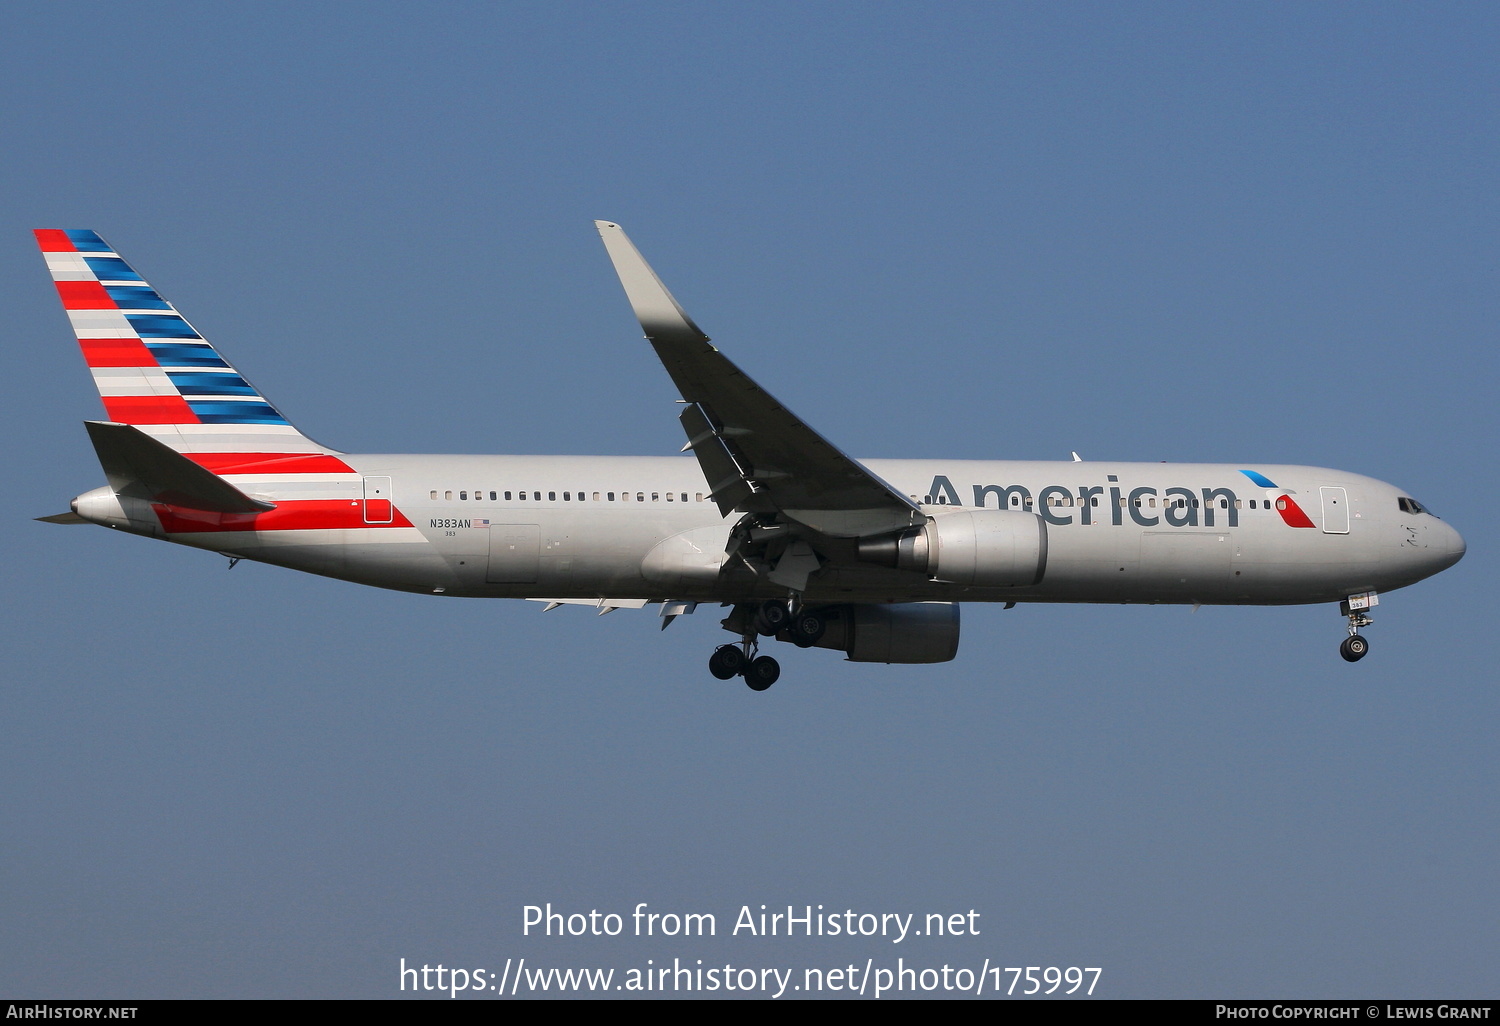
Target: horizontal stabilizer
(63,518)
(138,465)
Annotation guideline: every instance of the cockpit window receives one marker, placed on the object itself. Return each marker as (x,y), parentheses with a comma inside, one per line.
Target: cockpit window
(1410,505)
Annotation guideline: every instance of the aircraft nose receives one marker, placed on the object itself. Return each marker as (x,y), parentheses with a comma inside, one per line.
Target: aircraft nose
(1427,547)
(1455,545)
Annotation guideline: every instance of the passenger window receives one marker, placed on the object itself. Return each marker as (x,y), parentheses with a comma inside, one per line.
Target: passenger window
(611,496)
(1223,503)
(670,497)
(1281,504)
(567,497)
(448,496)
(492,496)
(507,496)
(551,496)
(684,496)
(433,493)
(700,497)
(640,496)
(596,496)
(655,497)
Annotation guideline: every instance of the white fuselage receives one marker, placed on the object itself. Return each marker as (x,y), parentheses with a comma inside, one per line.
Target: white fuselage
(644,528)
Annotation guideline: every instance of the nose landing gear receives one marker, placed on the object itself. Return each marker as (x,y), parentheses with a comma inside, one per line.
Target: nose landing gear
(1354,647)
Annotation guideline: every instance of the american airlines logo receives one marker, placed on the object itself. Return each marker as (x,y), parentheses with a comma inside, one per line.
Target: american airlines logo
(1146,506)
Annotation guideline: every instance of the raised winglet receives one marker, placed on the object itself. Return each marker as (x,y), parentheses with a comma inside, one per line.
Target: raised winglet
(757,456)
(659,314)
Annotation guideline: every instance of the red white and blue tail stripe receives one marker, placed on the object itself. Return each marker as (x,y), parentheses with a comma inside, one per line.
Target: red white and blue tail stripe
(157,375)
(152,369)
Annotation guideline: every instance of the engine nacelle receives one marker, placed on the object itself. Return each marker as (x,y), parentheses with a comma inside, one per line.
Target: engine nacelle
(987,548)
(911,632)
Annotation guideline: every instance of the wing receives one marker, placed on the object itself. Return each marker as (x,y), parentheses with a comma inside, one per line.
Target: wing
(757,455)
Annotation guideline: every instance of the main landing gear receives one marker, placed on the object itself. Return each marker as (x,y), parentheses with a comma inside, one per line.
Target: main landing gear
(730,661)
(1354,647)
(769,619)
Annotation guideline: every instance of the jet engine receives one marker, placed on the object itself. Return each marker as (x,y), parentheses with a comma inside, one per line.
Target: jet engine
(987,548)
(910,632)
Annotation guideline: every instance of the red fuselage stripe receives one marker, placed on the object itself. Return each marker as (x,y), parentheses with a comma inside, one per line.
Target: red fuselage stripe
(269,463)
(304,515)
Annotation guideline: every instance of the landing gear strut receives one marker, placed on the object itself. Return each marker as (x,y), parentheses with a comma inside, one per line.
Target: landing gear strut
(1354,647)
(783,619)
(741,660)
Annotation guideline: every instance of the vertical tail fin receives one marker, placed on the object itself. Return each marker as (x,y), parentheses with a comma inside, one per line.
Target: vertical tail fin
(153,371)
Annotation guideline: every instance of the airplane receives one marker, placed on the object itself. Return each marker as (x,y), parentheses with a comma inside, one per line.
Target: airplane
(798,541)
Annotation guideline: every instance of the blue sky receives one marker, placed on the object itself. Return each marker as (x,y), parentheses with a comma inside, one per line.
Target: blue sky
(1157,231)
